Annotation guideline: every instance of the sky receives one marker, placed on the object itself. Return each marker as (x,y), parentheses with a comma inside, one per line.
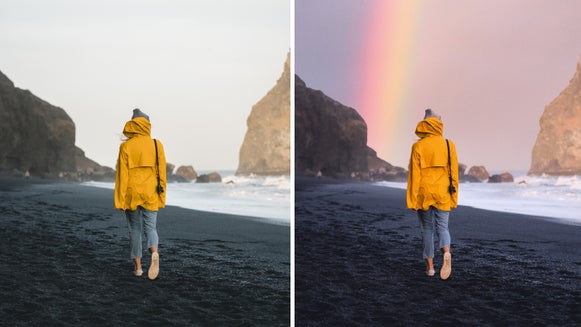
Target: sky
(488,67)
(195,67)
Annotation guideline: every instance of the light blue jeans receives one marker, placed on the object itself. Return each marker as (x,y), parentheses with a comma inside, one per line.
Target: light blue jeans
(141,221)
(428,220)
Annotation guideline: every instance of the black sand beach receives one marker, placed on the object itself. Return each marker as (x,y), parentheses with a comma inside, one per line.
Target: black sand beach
(65,262)
(358,263)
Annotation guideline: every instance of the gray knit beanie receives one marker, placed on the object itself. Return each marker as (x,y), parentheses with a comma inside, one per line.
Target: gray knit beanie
(139,113)
(431,113)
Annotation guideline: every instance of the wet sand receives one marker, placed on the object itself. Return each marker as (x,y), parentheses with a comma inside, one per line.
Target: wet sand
(358,263)
(65,262)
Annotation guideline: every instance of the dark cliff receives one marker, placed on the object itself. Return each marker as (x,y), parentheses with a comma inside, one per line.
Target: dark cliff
(329,137)
(331,140)
(37,136)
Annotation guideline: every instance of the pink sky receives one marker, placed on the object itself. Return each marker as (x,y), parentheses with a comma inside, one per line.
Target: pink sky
(488,67)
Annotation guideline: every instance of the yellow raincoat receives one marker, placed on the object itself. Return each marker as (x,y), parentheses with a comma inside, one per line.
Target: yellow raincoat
(428,179)
(136,180)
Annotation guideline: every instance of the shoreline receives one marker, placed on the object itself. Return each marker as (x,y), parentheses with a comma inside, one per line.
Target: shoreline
(68,263)
(358,262)
(553,218)
(258,216)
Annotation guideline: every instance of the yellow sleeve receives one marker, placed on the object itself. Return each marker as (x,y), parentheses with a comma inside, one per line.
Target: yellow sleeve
(413,185)
(121,179)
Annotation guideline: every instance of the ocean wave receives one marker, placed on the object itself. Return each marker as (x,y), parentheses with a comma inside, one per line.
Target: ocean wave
(546,196)
(265,197)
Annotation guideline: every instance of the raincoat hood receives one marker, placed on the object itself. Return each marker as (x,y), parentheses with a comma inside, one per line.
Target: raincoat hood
(138,126)
(430,127)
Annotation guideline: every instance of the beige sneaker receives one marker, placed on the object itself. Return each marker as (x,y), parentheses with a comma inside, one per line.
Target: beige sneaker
(430,272)
(446,266)
(138,272)
(154,268)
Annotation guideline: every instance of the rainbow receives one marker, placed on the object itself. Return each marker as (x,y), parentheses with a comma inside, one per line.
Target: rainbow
(386,70)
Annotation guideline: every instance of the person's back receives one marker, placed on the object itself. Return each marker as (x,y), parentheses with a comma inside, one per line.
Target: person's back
(139,185)
(431,189)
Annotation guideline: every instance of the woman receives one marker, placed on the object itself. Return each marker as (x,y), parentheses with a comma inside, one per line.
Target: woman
(431,188)
(140,170)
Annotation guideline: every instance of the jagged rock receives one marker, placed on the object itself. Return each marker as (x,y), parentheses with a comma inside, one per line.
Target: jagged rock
(266,146)
(89,170)
(209,178)
(330,138)
(462,169)
(169,168)
(557,150)
(501,178)
(186,172)
(173,178)
(380,169)
(464,178)
(479,172)
(38,137)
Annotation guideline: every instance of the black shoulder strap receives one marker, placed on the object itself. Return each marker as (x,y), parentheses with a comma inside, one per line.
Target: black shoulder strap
(449,163)
(157,163)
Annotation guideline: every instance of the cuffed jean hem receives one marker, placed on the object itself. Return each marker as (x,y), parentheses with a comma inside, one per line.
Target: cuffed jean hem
(141,221)
(434,221)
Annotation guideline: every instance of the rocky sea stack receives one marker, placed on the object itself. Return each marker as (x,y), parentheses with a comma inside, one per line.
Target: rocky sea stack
(557,150)
(266,146)
(38,137)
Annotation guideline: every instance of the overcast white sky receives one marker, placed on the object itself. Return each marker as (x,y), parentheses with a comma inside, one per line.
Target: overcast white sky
(196,67)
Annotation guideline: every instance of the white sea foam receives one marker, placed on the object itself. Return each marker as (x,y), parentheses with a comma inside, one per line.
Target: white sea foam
(546,196)
(255,196)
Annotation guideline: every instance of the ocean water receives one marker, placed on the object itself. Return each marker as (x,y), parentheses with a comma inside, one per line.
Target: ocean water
(266,197)
(546,196)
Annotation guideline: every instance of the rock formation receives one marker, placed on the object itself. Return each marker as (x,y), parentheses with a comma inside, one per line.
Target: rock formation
(380,169)
(501,178)
(329,137)
(557,150)
(209,178)
(187,173)
(266,146)
(38,137)
(479,172)
(169,168)
(462,168)
(465,178)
